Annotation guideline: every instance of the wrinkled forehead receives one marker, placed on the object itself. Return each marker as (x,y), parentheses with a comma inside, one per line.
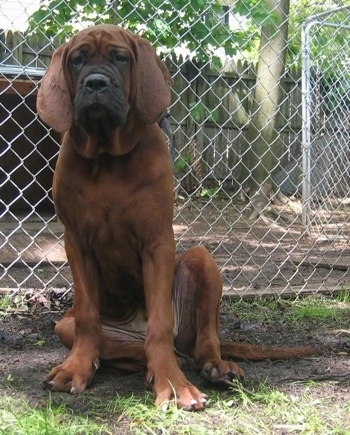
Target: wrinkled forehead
(102,37)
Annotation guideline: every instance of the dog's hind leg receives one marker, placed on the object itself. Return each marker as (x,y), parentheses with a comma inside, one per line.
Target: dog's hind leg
(197,292)
(122,342)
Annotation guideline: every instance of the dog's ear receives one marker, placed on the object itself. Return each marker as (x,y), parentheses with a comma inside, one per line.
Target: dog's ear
(153,83)
(54,103)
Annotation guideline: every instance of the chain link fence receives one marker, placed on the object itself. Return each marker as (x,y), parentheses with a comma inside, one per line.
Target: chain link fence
(269,199)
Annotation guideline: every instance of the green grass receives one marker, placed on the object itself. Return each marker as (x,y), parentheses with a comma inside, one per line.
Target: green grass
(10,303)
(332,311)
(19,417)
(264,411)
(5,302)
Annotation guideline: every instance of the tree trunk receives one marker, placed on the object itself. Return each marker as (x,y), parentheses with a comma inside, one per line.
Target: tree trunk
(262,136)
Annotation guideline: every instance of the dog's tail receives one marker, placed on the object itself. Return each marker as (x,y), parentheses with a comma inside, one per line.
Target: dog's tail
(245,351)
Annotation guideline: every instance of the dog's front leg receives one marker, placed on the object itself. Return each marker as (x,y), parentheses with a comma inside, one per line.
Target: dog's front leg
(164,374)
(77,371)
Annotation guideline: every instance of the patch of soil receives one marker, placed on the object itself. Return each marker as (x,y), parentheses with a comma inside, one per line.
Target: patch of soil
(29,349)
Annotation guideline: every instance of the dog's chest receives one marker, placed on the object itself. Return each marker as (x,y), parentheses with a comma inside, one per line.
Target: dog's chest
(113,212)
(106,224)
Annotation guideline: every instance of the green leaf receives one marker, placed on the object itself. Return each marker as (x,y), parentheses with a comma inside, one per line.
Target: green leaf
(196,25)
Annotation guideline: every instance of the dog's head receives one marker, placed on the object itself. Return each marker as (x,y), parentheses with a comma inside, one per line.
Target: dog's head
(103,79)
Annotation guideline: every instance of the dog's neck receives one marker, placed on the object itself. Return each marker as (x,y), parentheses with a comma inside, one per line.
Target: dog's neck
(118,142)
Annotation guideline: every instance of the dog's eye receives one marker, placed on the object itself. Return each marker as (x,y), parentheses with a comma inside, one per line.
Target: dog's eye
(118,57)
(77,61)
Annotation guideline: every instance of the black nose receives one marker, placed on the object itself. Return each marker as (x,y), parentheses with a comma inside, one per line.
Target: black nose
(96,83)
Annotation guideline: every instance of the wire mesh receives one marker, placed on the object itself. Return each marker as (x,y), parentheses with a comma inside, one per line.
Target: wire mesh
(247,138)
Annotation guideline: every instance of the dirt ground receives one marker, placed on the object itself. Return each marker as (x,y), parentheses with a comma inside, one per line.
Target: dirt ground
(29,347)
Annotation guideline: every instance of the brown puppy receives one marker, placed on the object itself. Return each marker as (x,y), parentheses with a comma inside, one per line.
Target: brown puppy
(134,306)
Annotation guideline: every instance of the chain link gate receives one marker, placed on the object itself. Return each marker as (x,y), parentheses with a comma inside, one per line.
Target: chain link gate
(299,242)
(326,129)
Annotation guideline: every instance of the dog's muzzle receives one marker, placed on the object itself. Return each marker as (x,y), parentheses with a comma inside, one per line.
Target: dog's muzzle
(96,83)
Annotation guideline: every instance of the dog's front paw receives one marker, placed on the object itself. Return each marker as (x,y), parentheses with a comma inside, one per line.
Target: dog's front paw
(72,376)
(176,390)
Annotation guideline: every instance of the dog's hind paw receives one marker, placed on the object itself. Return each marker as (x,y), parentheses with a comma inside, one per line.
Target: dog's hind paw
(222,373)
